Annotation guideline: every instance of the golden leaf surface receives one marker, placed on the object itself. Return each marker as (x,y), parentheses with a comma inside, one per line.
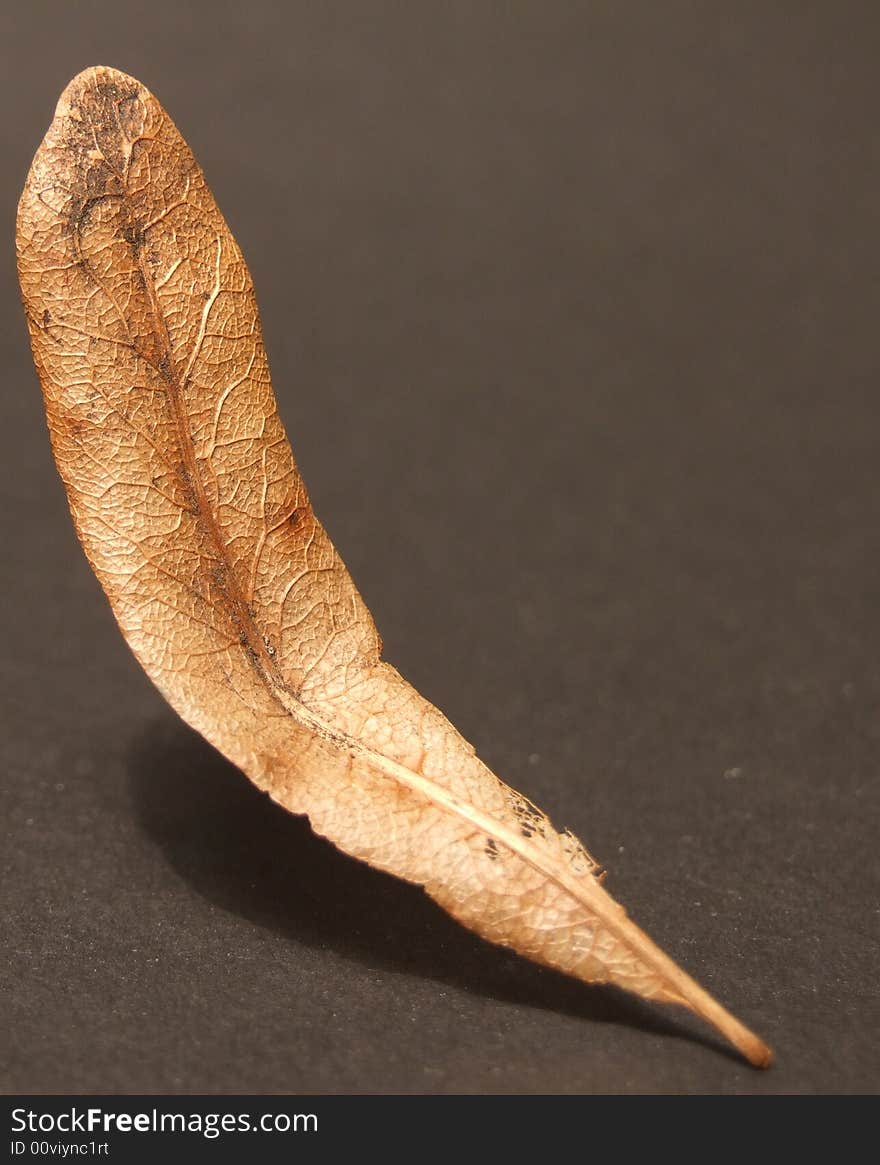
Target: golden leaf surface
(190,508)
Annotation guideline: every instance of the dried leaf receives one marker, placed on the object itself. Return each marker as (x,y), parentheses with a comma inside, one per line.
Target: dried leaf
(188,503)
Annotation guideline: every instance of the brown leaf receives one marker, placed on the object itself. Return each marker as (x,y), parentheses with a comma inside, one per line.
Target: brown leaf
(188,503)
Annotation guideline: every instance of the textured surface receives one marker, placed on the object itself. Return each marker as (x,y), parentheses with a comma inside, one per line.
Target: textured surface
(711,579)
(189,506)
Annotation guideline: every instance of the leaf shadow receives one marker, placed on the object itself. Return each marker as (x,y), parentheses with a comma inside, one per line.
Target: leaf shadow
(245,854)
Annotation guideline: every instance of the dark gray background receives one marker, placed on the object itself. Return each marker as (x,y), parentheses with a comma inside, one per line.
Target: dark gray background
(572,312)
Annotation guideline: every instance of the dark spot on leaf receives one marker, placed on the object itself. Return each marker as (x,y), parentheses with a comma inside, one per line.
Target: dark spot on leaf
(251,654)
(134,236)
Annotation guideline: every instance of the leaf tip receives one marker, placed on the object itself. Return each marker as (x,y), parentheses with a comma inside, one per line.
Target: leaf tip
(758,1054)
(94,78)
